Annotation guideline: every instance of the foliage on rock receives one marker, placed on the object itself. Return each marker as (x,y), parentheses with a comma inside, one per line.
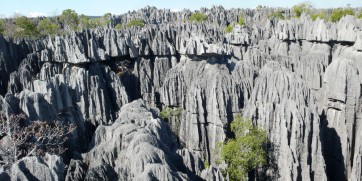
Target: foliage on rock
(246,151)
(277,15)
(169,112)
(135,22)
(301,8)
(25,28)
(47,27)
(2,28)
(118,26)
(20,139)
(321,15)
(338,13)
(198,17)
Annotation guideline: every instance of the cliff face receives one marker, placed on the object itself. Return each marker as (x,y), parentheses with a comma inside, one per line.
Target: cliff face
(298,79)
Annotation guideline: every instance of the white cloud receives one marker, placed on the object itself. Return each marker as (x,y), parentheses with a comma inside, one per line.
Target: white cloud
(36,14)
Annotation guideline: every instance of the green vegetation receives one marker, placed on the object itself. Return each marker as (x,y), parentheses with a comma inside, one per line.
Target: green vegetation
(206,164)
(245,152)
(259,7)
(359,16)
(199,17)
(106,19)
(276,14)
(69,18)
(241,20)
(168,112)
(304,7)
(229,28)
(320,15)
(47,27)
(85,22)
(135,22)
(338,13)
(25,28)
(118,26)
(2,28)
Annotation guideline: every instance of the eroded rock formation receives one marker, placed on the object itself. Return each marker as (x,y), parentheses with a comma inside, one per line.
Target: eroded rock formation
(296,78)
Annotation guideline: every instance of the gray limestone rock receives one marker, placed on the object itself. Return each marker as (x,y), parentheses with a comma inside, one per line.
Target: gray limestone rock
(298,79)
(50,167)
(283,105)
(76,171)
(136,146)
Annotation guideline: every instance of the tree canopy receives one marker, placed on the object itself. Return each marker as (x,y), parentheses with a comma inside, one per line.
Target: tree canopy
(47,27)
(199,17)
(301,8)
(69,18)
(246,151)
(2,28)
(25,27)
(338,13)
(135,22)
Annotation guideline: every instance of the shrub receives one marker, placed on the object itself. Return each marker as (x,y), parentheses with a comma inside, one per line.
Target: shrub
(106,19)
(69,18)
(338,13)
(245,152)
(199,17)
(259,7)
(135,22)
(46,27)
(85,22)
(118,26)
(35,138)
(25,28)
(206,164)
(301,8)
(2,28)
(276,14)
(168,112)
(229,28)
(321,15)
(241,20)
(359,16)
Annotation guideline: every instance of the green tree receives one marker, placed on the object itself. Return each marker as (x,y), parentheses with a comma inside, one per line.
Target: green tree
(135,22)
(245,152)
(85,22)
(199,17)
(241,20)
(338,13)
(118,26)
(25,28)
(321,15)
(276,14)
(106,19)
(2,28)
(304,7)
(70,19)
(229,28)
(359,16)
(168,112)
(47,27)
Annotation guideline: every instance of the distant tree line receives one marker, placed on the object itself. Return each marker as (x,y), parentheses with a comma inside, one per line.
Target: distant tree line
(69,20)
(333,16)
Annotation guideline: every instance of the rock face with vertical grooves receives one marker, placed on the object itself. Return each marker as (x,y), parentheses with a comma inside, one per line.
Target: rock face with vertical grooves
(51,167)
(298,79)
(136,146)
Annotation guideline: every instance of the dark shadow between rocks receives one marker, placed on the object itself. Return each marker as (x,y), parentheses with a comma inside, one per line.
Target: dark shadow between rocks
(331,151)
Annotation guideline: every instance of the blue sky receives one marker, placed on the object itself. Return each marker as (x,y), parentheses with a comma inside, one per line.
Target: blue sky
(100,7)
